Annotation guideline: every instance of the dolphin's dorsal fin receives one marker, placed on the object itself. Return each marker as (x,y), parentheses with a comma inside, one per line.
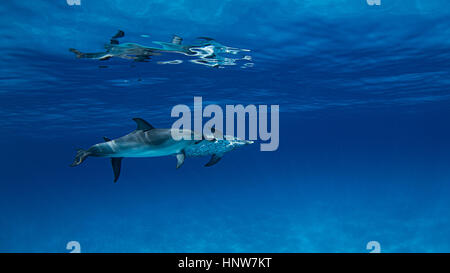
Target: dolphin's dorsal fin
(143,125)
(116,163)
(106,139)
(214,159)
(180,159)
(119,34)
(176,40)
(114,38)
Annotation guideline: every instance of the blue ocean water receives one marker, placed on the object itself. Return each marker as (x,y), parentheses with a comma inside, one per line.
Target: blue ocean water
(364,95)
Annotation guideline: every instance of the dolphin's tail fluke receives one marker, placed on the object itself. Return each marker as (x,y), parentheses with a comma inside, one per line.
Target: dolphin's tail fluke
(80,157)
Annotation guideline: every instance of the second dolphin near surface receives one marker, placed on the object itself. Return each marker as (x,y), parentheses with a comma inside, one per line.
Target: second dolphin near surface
(204,51)
(148,141)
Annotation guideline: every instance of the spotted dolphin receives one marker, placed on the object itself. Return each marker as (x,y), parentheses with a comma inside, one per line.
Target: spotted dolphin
(214,145)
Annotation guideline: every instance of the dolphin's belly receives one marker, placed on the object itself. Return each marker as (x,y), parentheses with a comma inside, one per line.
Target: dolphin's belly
(151,143)
(117,148)
(146,152)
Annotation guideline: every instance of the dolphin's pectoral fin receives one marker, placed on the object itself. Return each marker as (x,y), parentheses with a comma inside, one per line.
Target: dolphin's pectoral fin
(116,163)
(214,159)
(143,125)
(106,139)
(180,159)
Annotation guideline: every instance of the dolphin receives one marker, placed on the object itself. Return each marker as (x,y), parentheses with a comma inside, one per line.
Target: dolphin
(131,51)
(206,51)
(145,141)
(176,46)
(215,145)
(148,141)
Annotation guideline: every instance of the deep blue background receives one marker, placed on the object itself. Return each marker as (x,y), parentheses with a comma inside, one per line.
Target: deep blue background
(364,94)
